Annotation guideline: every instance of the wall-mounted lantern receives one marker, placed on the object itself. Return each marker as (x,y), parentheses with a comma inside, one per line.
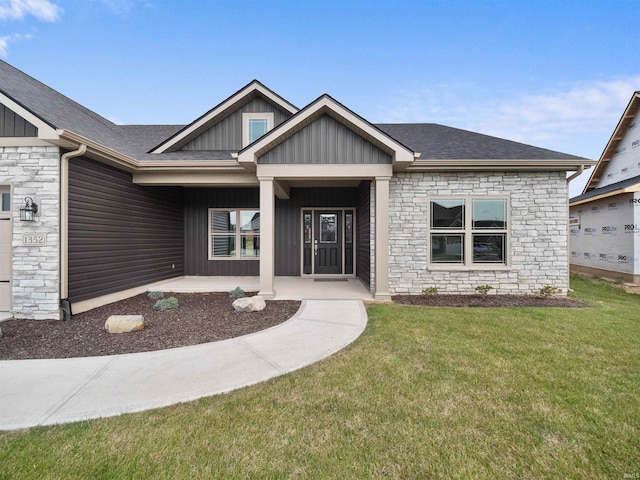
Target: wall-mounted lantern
(28,212)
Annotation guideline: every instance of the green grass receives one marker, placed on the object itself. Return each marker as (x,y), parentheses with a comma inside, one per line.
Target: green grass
(423,393)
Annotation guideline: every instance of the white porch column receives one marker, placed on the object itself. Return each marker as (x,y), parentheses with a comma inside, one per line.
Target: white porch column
(267,240)
(382,239)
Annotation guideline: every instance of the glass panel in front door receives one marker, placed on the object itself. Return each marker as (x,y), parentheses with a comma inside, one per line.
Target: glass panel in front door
(328,228)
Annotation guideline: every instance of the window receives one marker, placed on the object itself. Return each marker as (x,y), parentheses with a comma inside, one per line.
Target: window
(468,231)
(255,125)
(234,234)
(6,202)
(257,128)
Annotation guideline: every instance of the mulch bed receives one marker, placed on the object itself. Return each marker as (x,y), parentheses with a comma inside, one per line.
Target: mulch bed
(445,300)
(200,318)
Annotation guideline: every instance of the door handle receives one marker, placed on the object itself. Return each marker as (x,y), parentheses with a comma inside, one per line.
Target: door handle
(315,248)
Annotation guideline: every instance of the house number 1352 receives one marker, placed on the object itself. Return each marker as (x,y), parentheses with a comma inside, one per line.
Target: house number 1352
(34,239)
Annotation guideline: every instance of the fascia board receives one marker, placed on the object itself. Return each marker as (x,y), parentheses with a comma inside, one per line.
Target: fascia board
(104,154)
(111,157)
(249,155)
(489,164)
(323,171)
(45,130)
(199,123)
(635,188)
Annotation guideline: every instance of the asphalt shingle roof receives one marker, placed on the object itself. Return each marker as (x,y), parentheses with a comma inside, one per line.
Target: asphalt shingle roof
(433,141)
(438,142)
(630,182)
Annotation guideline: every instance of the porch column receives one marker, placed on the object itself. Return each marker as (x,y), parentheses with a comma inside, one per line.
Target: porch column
(267,231)
(382,239)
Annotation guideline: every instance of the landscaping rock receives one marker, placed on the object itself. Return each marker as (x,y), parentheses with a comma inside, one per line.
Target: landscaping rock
(250,304)
(124,323)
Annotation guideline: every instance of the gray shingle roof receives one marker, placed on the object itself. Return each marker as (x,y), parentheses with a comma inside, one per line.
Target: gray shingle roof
(56,109)
(438,142)
(432,140)
(630,182)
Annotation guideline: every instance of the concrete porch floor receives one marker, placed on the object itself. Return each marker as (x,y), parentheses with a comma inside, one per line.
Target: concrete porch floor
(287,288)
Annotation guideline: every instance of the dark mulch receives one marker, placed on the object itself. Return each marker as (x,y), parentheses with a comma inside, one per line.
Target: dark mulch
(445,300)
(200,318)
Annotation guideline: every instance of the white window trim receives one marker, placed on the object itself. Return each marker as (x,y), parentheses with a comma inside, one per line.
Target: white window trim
(268,116)
(468,235)
(237,234)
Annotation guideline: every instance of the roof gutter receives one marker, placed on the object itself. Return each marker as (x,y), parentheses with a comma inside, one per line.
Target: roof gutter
(499,164)
(131,165)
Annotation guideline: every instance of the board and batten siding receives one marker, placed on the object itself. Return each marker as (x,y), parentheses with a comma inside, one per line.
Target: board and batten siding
(325,141)
(197,202)
(121,235)
(227,134)
(13,125)
(288,231)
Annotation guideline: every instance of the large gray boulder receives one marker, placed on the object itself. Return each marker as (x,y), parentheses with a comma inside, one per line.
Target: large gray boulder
(249,304)
(124,323)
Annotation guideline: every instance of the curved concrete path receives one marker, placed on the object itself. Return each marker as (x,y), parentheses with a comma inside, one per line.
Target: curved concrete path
(45,392)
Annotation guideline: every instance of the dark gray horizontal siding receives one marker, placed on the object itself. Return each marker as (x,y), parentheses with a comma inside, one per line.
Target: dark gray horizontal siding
(288,231)
(227,134)
(13,125)
(325,141)
(121,235)
(196,239)
(363,227)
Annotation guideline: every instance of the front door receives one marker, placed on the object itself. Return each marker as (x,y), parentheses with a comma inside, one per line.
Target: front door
(328,242)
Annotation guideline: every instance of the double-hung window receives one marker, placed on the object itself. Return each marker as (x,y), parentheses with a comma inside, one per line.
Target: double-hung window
(468,231)
(234,234)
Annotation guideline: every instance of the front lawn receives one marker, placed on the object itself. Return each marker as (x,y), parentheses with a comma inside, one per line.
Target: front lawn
(423,393)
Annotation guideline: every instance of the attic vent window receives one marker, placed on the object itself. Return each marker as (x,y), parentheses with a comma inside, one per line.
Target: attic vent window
(255,125)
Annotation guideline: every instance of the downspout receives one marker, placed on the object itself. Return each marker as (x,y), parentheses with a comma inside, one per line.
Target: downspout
(578,172)
(64,223)
(569,178)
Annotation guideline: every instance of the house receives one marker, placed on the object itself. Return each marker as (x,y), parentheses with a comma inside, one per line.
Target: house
(259,187)
(605,219)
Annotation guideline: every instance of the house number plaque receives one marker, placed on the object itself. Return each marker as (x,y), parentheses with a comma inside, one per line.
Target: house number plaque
(34,239)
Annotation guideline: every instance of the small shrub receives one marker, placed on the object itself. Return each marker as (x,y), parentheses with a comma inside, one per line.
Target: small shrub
(236,293)
(549,291)
(155,295)
(170,303)
(430,291)
(484,289)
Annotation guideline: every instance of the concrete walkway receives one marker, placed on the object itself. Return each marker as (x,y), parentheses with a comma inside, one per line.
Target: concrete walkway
(45,392)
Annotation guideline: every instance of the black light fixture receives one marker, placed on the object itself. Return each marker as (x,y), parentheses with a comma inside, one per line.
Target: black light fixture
(28,212)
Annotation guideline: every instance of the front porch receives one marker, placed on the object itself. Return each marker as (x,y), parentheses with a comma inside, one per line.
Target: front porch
(287,288)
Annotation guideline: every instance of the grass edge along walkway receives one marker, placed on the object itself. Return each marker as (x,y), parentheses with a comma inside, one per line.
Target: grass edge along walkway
(423,393)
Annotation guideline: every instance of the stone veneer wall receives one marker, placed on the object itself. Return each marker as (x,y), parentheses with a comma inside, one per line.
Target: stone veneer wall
(537,232)
(34,172)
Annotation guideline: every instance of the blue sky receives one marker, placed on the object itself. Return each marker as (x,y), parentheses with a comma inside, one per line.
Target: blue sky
(556,74)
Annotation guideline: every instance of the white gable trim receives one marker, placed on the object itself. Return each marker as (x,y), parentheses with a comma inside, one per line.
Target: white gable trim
(401,155)
(202,122)
(45,131)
